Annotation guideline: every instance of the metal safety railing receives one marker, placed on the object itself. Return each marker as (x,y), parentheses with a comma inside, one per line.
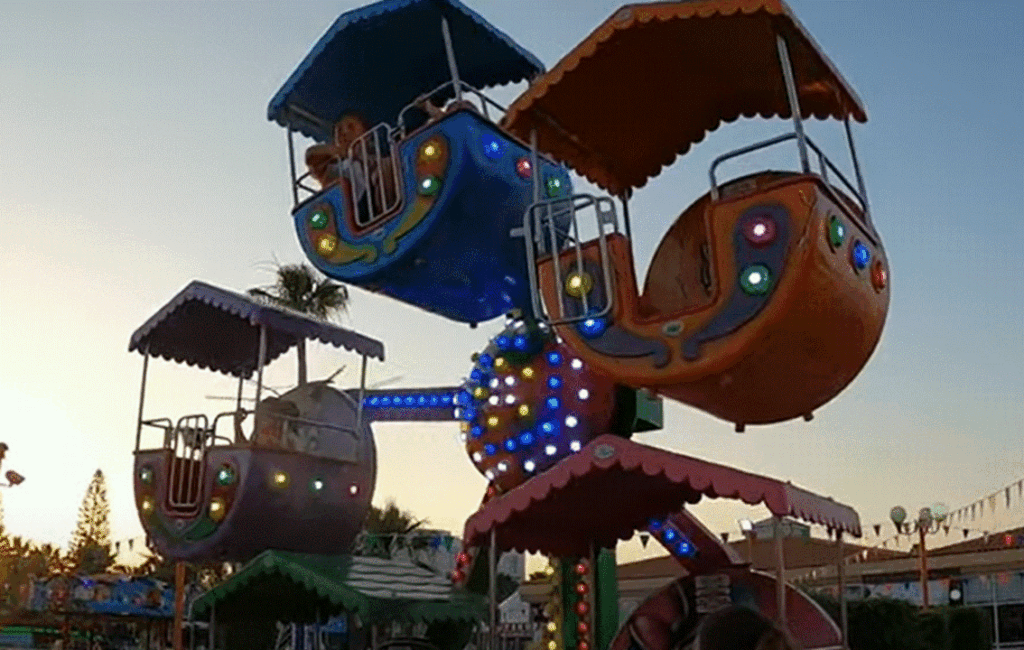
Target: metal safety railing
(825,166)
(551,228)
(483,105)
(373,175)
(186,469)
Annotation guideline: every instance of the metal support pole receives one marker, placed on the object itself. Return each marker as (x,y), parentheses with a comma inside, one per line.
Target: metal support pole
(923,552)
(179,603)
(142,396)
(362,395)
(624,199)
(492,569)
(794,102)
(291,165)
(211,633)
(780,573)
(841,573)
(995,611)
(450,51)
(856,170)
(259,378)
(238,398)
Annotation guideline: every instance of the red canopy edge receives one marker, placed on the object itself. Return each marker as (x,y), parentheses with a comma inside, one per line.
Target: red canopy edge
(614,486)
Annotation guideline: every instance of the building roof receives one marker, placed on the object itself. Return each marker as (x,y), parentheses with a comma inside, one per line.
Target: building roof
(299,587)
(991,542)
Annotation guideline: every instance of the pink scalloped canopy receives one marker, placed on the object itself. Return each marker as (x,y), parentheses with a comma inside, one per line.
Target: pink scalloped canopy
(614,487)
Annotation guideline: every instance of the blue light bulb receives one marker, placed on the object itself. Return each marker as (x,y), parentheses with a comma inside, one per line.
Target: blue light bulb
(554,358)
(510,444)
(493,147)
(526,438)
(683,548)
(476,375)
(447,398)
(421,400)
(486,360)
(520,342)
(548,427)
(654,524)
(490,449)
(554,381)
(477,431)
(385,401)
(553,403)
(469,414)
(410,400)
(502,342)
(592,327)
(435,400)
(374,401)
(861,255)
(670,535)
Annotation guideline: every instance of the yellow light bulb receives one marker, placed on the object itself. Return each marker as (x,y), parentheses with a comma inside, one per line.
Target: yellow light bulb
(499,362)
(552,645)
(327,245)
(552,626)
(493,421)
(579,284)
(217,509)
(524,410)
(464,426)
(147,505)
(279,478)
(480,392)
(527,372)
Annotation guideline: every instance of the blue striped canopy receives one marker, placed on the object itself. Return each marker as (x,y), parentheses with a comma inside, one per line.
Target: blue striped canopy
(376,59)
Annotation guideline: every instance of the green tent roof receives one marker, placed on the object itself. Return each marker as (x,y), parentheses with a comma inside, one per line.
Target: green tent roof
(296,587)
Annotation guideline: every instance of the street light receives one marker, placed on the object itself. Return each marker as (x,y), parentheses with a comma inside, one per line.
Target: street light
(929,520)
(747,528)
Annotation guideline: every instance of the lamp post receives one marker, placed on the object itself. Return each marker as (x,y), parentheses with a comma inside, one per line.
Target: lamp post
(747,527)
(929,520)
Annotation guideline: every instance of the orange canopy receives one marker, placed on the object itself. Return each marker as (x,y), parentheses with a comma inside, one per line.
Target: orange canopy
(653,79)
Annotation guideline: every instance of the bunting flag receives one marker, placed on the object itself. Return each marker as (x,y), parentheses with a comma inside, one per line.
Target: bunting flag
(946,528)
(1007,498)
(878,529)
(1020,488)
(973,506)
(885,544)
(131,543)
(966,533)
(981,508)
(992,504)
(117,547)
(644,538)
(725,538)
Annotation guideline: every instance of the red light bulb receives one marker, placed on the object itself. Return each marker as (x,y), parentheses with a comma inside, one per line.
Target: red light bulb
(582,588)
(582,568)
(582,608)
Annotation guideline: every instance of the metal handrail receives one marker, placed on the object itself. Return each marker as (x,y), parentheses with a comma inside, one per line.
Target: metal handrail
(540,233)
(481,97)
(823,162)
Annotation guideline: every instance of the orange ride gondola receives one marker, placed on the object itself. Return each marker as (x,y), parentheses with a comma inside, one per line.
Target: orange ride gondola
(300,480)
(768,294)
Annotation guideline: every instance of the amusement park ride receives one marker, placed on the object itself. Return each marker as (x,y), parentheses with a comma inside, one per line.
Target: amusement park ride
(765,298)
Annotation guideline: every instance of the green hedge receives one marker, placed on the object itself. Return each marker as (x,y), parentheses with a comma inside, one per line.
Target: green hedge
(890,624)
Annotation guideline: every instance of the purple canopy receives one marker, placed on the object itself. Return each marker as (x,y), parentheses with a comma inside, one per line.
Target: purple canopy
(218,329)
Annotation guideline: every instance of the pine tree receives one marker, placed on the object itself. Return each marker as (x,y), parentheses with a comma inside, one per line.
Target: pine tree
(89,551)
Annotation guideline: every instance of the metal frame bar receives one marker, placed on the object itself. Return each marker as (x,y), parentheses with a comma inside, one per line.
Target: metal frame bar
(291,166)
(362,394)
(449,49)
(841,573)
(794,100)
(142,397)
(780,573)
(856,169)
(261,361)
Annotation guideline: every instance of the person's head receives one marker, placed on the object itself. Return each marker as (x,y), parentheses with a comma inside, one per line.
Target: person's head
(739,628)
(348,129)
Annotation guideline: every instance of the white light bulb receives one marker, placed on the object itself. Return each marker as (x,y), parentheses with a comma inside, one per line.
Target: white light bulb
(493,400)
(510,399)
(489,474)
(576,364)
(550,450)
(352,489)
(462,436)
(495,383)
(760,229)
(571,421)
(574,445)
(477,457)
(457,413)
(529,466)
(510,381)
(584,393)
(502,466)
(754,277)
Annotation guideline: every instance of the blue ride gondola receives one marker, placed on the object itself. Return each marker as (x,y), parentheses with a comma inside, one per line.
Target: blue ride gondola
(420,207)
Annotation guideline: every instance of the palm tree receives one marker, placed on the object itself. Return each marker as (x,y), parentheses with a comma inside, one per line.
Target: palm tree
(302,289)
